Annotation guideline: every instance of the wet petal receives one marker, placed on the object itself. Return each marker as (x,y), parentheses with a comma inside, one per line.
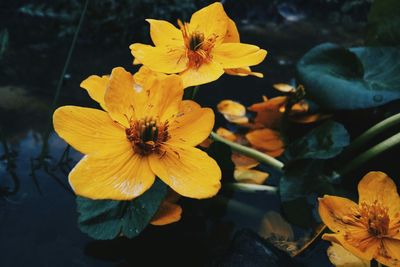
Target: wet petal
(164,33)
(192,127)
(96,87)
(161,59)
(377,186)
(120,96)
(337,212)
(90,131)
(237,55)
(121,177)
(207,72)
(167,214)
(188,171)
(210,20)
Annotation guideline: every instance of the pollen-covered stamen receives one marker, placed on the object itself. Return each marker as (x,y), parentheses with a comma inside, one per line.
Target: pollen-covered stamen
(147,135)
(375,217)
(198,47)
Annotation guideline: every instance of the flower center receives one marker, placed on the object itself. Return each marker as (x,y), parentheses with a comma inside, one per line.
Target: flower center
(198,48)
(147,135)
(375,217)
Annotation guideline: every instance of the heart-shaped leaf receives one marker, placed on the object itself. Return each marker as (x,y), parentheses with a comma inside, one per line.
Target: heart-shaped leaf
(339,78)
(323,142)
(106,219)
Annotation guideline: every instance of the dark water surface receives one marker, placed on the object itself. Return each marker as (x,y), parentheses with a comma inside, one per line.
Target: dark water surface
(37,207)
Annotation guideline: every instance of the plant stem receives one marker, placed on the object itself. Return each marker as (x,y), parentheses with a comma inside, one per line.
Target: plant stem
(190,93)
(250,152)
(373,132)
(371,153)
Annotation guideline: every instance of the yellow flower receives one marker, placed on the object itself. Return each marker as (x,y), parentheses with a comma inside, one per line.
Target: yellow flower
(201,50)
(145,131)
(370,229)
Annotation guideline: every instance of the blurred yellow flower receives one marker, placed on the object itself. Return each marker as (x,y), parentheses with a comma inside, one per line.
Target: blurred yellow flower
(169,212)
(370,229)
(145,131)
(201,50)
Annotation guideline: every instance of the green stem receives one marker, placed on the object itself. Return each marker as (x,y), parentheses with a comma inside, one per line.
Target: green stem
(250,152)
(190,93)
(371,153)
(373,132)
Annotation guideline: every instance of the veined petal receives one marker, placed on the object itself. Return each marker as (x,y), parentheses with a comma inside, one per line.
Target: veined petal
(245,71)
(210,20)
(161,59)
(265,139)
(389,253)
(335,212)
(120,96)
(238,55)
(232,33)
(164,33)
(207,72)
(168,213)
(90,131)
(96,87)
(191,127)
(188,171)
(121,177)
(370,249)
(377,186)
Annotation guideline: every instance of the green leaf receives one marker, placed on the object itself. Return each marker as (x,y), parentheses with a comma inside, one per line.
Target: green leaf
(339,78)
(107,219)
(323,142)
(384,23)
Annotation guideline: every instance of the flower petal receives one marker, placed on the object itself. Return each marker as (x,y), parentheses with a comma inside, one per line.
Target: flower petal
(207,72)
(121,177)
(188,171)
(265,139)
(96,87)
(389,253)
(250,176)
(230,107)
(335,211)
(192,127)
(210,20)
(90,131)
(367,254)
(164,33)
(120,96)
(238,55)
(167,214)
(340,257)
(245,71)
(161,59)
(232,33)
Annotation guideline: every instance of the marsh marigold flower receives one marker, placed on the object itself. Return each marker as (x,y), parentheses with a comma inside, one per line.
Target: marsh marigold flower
(370,229)
(201,50)
(145,131)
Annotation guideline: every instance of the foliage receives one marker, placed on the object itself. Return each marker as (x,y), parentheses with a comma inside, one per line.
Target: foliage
(3,42)
(340,78)
(107,219)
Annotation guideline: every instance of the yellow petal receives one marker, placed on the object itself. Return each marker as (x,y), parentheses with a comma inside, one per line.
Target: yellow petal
(245,71)
(120,96)
(265,139)
(244,162)
(96,87)
(389,253)
(250,176)
(168,213)
(188,171)
(340,257)
(90,131)
(238,55)
(191,127)
(164,33)
(370,249)
(310,118)
(232,33)
(121,177)
(237,119)
(275,153)
(229,107)
(377,186)
(210,20)
(334,212)
(284,87)
(142,76)
(161,59)
(225,133)
(207,72)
